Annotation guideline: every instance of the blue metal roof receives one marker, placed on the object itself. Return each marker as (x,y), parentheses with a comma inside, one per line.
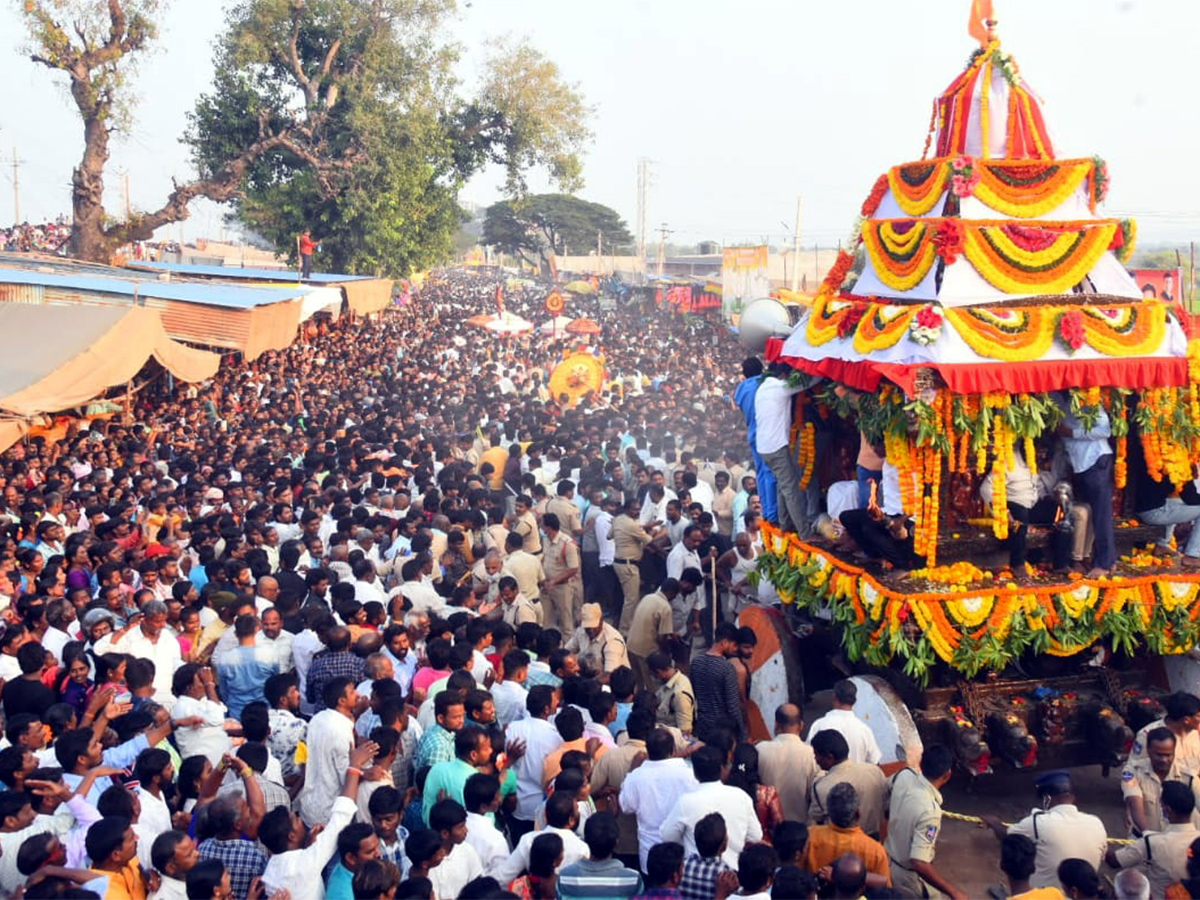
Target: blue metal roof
(251,274)
(230,296)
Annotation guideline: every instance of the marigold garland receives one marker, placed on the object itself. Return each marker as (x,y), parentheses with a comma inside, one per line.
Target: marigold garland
(1134,330)
(1029,189)
(878,191)
(902,251)
(1005,333)
(883,326)
(1007,262)
(968,607)
(917,187)
(1051,257)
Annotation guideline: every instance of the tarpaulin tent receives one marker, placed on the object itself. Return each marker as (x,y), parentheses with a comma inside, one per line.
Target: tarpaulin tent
(67,355)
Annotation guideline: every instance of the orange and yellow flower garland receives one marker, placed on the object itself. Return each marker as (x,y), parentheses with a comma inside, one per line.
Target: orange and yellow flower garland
(1021,188)
(969,607)
(1051,257)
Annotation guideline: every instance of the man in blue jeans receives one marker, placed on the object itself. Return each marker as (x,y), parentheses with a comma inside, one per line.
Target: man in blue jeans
(743,398)
(1091,460)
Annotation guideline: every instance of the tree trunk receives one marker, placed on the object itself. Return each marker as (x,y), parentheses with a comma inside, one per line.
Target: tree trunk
(87,182)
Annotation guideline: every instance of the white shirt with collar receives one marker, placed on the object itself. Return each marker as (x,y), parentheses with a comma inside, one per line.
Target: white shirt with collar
(734,805)
(453,873)
(574,849)
(299,871)
(487,841)
(604,540)
(541,739)
(858,735)
(650,792)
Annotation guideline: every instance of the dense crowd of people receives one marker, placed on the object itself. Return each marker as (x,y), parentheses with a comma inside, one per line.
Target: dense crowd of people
(47,237)
(378,616)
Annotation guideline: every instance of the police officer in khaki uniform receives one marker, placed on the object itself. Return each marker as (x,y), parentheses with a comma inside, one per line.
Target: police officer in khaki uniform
(1142,782)
(562,593)
(1058,829)
(914,820)
(525,524)
(564,507)
(629,540)
(1162,856)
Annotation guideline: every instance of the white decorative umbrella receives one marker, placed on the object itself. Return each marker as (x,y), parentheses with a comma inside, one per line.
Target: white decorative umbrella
(507,323)
(557,324)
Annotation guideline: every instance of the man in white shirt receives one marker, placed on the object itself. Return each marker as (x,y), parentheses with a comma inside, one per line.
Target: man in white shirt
(684,556)
(461,864)
(858,735)
(651,790)
(561,818)
(481,798)
(274,637)
(330,740)
(609,588)
(419,592)
(296,863)
(306,645)
(734,805)
(540,739)
(509,694)
(773,414)
(144,636)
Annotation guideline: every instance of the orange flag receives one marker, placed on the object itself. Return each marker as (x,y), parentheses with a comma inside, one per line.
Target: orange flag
(981,13)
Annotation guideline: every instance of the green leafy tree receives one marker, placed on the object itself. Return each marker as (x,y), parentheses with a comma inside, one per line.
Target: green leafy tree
(340,115)
(385,139)
(542,226)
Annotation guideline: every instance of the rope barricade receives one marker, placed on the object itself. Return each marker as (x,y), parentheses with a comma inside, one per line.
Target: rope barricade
(978,821)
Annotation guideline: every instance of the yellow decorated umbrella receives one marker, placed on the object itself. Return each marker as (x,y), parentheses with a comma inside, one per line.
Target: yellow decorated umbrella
(579,287)
(577,376)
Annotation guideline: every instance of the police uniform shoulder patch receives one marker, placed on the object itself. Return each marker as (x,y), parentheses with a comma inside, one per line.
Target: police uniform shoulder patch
(1127,775)
(931,833)
(1137,748)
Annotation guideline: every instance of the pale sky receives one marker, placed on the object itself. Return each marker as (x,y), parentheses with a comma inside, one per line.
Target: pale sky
(741,105)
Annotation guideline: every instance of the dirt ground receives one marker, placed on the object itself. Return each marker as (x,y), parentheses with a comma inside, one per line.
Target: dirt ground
(968,854)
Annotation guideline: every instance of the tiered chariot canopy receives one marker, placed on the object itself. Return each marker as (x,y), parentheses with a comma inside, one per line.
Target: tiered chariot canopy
(991,252)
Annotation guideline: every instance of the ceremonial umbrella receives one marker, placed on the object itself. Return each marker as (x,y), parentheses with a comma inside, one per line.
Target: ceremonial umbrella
(558,323)
(579,287)
(509,324)
(584,326)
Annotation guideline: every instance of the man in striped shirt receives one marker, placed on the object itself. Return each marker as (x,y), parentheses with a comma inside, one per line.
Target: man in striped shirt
(600,875)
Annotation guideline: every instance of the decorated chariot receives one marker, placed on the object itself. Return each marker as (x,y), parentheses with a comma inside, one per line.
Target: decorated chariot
(983,298)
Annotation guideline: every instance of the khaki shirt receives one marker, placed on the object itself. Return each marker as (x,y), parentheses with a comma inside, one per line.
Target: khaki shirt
(527,527)
(527,570)
(606,651)
(561,554)
(522,610)
(1187,748)
(677,703)
(868,780)
(914,818)
(629,538)
(722,509)
(1138,780)
(1162,856)
(1062,832)
(788,764)
(651,620)
(610,771)
(568,515)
